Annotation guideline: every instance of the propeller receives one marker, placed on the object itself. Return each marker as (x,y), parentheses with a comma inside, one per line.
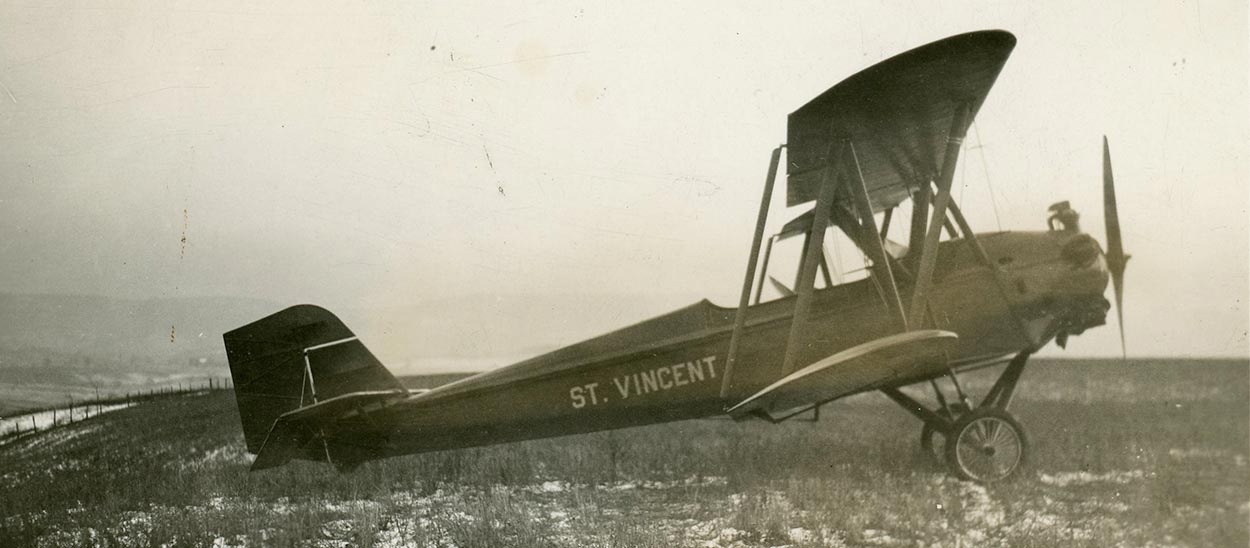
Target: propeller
(1116,259)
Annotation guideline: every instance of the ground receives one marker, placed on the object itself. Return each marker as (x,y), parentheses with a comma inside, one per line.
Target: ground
(1144,453)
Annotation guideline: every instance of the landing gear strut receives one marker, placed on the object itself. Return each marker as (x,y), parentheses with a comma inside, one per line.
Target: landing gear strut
(983,444)
(933,440)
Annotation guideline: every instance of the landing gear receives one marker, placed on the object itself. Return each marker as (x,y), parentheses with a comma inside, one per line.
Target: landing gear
(933,440)
(987,445)
(983,444)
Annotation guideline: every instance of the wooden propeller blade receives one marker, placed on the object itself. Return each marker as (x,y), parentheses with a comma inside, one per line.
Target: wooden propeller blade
(1116,259)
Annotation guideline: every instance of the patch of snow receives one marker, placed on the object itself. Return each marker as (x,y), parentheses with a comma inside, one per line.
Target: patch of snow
(350,505)
(399,535)
(559,519)
(282,506)
(979,508)
(229,453)
(461,517)
(874,536)
(1035,520)
(692,481)
(705,481)
(337,529)
(1195,452)
(975,537)
(622,486)
(238,541)
(704,529)
(833,539)
(1064,479)
(799,534)
(44,420)
(552,487)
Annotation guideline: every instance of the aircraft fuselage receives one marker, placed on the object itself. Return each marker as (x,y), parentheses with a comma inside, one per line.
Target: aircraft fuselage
(672,367)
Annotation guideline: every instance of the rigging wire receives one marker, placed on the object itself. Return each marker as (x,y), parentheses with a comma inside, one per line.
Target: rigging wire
(835,266)
(989,184)
(875,282)
(963,173)
(837,258)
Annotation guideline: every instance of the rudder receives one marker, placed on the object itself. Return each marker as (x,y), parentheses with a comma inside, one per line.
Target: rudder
(292,359)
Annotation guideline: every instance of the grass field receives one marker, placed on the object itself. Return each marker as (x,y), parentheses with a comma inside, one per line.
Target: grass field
(1149,453)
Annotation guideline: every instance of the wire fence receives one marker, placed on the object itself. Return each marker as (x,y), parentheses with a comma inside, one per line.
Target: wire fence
(30,421)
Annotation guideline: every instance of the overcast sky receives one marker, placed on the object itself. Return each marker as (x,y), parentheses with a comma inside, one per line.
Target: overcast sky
(359,154)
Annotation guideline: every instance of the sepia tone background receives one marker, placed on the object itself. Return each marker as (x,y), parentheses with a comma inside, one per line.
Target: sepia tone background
(468,185)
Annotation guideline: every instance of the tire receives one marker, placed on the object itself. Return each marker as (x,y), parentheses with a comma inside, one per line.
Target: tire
(933,440)
(986,445)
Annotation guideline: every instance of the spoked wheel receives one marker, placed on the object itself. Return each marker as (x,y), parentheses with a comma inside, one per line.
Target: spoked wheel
(933,440)
(986,445)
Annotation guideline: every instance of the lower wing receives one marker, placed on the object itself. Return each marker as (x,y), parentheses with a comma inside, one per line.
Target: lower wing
(874,364)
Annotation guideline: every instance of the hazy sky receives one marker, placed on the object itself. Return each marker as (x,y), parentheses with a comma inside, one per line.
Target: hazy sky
(373,153)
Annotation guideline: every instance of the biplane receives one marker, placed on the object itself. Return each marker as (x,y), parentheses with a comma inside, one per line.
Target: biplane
(949,301)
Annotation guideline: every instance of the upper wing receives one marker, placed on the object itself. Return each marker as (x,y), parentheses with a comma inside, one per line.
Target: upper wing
(874,364)
(898,113)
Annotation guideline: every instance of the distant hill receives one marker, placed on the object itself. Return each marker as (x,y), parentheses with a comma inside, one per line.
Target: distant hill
(53,346)
(126,333)
(470,326)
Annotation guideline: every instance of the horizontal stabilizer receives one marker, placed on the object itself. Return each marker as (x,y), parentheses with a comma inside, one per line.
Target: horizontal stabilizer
(287,440)
(309,432)
(874,364)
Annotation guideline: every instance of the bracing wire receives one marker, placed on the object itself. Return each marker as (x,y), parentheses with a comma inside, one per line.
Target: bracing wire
(835,266)
(837,258)
(988,183)
(963,174)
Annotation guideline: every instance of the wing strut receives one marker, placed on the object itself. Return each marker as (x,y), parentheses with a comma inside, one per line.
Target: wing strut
(970,236)
(823,264)
(919,216)
(811,257)
(880,259)
(768,251)
(928,254)
(740,318)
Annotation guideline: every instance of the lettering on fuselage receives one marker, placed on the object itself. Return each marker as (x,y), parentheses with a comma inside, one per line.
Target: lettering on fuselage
(656,379)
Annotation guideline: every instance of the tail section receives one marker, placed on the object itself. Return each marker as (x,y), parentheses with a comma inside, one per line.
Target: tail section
(293,359)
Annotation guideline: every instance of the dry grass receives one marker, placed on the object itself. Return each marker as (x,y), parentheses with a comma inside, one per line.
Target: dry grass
(1144,454)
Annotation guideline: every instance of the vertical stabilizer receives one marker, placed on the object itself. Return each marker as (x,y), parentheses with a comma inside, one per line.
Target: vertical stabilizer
(293,359)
